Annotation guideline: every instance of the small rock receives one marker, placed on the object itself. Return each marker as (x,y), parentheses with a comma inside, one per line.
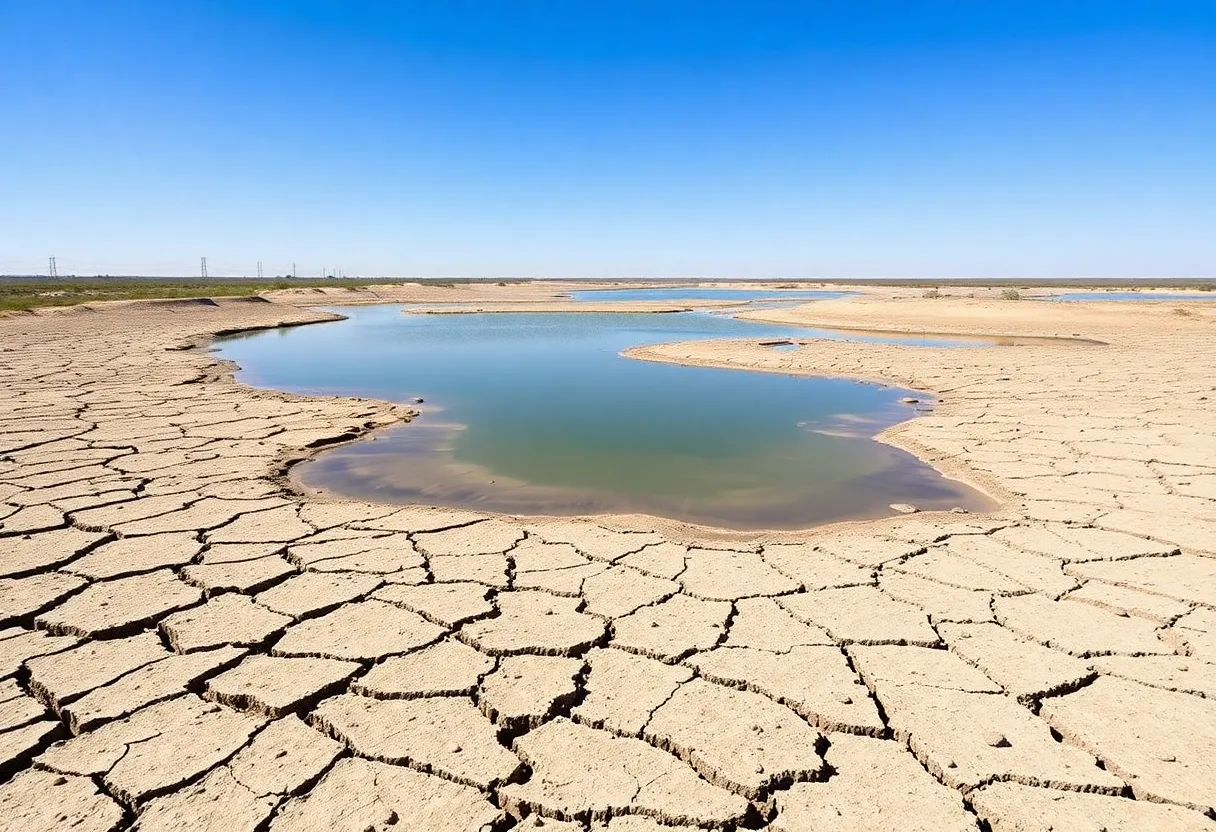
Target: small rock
(417,400)
(1168,758)
(959,510)
(904,508)
(846,700)
(996,739)
(454,748)
(909,400)
(951,764)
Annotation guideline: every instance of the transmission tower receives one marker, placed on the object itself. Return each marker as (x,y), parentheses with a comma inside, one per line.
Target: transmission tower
(259,270)
(293,271)
(203,266)
(54,269)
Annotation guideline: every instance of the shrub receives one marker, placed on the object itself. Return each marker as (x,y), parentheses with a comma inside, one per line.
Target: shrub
(931,293)
(1011,294)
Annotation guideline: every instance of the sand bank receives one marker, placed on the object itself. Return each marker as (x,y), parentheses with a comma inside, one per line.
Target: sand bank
(190,644)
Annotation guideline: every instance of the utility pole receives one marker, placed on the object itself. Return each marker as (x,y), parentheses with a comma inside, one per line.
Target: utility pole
(259,270)
(54,269)
(203,267)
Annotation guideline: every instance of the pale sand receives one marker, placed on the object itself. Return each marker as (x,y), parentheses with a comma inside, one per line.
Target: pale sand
(234,656)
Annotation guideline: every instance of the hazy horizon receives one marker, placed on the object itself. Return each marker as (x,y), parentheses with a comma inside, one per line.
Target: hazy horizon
(611,140)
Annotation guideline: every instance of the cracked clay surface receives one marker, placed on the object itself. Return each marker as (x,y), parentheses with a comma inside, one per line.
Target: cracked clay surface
(186,643)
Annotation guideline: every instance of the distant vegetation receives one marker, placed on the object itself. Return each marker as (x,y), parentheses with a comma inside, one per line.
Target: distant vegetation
(19,294)
(26,292)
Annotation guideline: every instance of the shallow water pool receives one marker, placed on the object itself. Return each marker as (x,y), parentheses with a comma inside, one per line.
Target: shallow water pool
(539,414)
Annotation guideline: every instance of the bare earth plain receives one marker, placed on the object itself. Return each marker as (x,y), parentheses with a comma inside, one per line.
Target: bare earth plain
(190,644)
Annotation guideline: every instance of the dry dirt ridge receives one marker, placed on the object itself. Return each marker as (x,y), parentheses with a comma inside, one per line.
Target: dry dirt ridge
(186,645)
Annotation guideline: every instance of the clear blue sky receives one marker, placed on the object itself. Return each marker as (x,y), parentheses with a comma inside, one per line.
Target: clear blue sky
(591,139)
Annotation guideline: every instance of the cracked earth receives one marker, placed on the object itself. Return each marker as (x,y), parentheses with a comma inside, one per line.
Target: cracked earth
(187,643)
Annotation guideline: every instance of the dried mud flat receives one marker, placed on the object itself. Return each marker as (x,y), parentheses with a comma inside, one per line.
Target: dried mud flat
(188,645)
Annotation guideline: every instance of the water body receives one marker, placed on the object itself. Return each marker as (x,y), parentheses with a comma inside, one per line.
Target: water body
(1129,296)
(539,414)
(699,293)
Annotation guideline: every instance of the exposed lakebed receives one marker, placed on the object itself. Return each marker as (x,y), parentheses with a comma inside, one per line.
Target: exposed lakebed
(538,414)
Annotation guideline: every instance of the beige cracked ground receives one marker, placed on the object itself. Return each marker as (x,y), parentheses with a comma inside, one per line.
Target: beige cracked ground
(188,644)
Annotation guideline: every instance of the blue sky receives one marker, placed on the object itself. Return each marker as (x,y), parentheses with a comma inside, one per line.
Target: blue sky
(571,138)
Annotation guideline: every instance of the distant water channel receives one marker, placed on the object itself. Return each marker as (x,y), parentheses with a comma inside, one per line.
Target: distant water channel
(1132,296)
(679,293)
(539,414)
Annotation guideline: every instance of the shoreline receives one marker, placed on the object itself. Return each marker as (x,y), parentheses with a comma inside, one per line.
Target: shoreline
(893,435)
(685,529)
(805,315)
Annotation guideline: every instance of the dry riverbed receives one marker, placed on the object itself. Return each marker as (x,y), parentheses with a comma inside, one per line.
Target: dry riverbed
(188,644)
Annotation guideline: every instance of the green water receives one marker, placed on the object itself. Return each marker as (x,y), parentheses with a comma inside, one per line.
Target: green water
(539,414)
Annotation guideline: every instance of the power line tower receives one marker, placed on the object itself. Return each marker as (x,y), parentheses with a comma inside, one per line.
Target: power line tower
(293,271)
(259,270)
(54,269)
(203,267)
